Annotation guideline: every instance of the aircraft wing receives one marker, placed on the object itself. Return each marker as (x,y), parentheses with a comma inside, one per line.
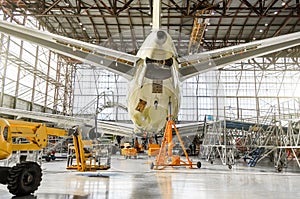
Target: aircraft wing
(191,129)
(116,128)
(192,65)
(103,127)
(112,60)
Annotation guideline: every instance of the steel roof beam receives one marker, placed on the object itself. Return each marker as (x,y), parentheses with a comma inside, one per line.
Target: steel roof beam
(126,6)
(271,4)
(105,6)
(251,7)
(48,9)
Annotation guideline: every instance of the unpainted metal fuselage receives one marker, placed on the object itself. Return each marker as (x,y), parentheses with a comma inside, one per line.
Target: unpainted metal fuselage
(154,91)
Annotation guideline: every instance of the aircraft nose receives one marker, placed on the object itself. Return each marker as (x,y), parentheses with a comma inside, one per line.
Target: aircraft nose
(161,37)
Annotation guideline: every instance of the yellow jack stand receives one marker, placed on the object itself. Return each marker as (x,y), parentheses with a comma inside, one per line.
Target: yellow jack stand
(165,156)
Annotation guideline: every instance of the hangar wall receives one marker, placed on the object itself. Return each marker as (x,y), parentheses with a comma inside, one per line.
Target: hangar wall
(32,77)
(249,90)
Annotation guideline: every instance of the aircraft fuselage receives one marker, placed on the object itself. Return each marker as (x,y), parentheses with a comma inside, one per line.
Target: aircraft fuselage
(154,91)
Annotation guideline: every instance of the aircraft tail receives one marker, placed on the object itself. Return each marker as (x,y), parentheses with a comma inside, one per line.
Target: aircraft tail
(156,15)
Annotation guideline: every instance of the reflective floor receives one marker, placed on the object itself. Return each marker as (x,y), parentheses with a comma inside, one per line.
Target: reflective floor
(133,179)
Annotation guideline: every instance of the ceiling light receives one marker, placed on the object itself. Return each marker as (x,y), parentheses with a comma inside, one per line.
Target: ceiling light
(261,30)
(83,28)
(283,3)
(80,23)
(266,24)
(275,13)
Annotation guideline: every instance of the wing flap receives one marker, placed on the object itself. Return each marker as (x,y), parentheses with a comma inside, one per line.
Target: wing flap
(191,129)
(116,128)
(198,63)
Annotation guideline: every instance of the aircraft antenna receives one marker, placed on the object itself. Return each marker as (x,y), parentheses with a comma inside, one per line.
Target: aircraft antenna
(156,15)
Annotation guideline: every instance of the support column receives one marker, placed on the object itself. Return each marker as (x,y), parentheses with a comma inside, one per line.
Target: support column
(56,89)
(34,78)
(19,71)
(4,70)
(47,82)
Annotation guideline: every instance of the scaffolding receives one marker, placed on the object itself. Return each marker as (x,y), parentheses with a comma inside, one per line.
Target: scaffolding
(275,139)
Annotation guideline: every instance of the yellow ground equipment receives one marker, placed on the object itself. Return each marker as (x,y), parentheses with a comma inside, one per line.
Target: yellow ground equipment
(128,151)
(165,156)
(153,149)
(89,156)
(25,177)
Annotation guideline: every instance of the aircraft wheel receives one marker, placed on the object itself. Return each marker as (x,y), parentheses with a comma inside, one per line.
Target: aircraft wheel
(53,157)
(47,158)
(229,166)
(151,165)
(199,165)
(279,169)
(24,178)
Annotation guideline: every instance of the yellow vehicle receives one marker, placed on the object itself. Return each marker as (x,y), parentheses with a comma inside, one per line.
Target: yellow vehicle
(89,156)
(128,151)
(25,177)
(153,149)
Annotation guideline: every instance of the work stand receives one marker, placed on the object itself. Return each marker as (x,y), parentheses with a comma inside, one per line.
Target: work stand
(165,157)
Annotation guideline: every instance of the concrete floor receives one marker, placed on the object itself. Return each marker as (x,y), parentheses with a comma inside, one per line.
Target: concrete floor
(133,179)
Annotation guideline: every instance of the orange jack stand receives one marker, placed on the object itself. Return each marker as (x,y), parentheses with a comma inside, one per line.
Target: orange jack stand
(165,156)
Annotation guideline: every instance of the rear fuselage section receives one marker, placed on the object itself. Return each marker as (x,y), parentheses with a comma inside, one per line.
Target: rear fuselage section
(154,91)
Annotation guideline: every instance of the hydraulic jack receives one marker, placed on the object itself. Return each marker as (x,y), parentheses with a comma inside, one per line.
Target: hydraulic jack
(165,156)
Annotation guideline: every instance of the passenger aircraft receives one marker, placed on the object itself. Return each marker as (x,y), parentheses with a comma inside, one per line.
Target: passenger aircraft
(155,72)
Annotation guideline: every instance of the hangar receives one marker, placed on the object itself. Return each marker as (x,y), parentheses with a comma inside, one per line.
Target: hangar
(232,101)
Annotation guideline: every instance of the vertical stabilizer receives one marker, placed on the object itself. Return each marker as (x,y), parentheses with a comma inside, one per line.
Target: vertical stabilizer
(156,15)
